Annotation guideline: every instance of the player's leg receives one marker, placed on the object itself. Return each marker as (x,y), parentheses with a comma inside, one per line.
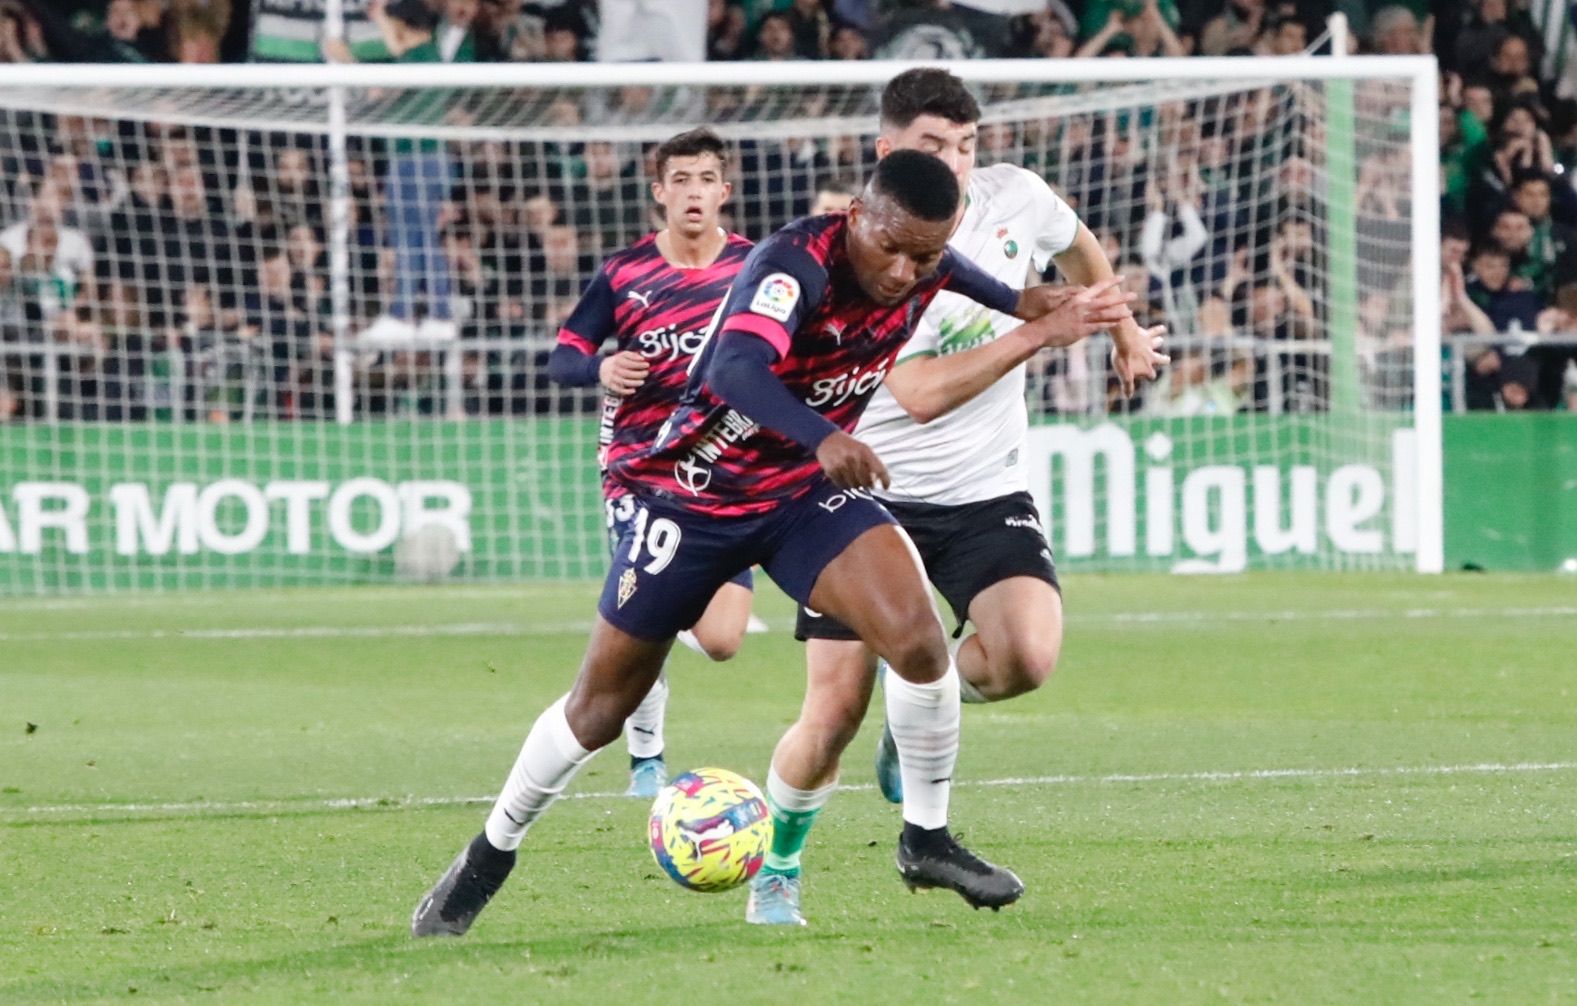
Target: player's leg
(877,588)
(839,553)
(992,563)
(643,730)
(804,769)
(618,670)
(662,576)
(721,630)
(1017,639)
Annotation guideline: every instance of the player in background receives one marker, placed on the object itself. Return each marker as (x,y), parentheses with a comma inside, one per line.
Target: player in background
(950,422)
(810,325)
(654,300)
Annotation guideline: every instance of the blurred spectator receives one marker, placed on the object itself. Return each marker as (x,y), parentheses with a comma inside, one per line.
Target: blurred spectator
(562,42)
(610,200)
(1493,289)
(812,28)
(21,37)
(280,325)
(847,42)
(832,195)
(455,34)
(775,39)
(1485,23)
(51,263)
(1173,235)
(725,30)
(640,30)
(1144,33)
(556,285)
(1519,385)
(1395,31)
(1464,147)
(417,184)
(1236,27)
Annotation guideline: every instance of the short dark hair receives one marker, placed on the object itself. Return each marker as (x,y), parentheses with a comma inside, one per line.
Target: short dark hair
(1525,176)
(1492,248)
(927,90)
(692,143)
(919,183)
(414,13)
(838,186)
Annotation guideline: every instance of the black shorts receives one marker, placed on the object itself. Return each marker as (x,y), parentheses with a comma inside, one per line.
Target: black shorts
(965,548)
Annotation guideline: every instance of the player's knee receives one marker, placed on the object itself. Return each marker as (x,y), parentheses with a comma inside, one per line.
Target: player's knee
(1028,665)
(915,647)
(719,646)
(596,721)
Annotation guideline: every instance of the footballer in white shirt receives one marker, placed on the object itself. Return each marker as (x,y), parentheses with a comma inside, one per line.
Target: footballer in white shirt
(950,424)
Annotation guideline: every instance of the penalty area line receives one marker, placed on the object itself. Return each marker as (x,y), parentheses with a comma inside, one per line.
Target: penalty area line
(200,807)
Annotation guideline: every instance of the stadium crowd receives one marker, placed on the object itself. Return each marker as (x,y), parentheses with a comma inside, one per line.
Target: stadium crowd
(181,268)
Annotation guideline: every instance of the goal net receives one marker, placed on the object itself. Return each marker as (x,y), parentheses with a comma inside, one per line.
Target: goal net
(200,385)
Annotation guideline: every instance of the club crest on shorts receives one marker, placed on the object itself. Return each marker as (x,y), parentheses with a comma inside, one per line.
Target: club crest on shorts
(626,586)
(776,296)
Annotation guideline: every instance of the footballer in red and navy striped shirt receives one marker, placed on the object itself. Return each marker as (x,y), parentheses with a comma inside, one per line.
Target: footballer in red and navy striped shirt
(654,300)
(758,467)
(801,300)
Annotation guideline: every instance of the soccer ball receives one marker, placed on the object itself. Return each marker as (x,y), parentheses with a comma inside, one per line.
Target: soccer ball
(709,829)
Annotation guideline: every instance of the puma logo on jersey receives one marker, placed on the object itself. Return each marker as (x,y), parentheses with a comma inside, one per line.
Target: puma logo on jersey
(834,330)
(644,299)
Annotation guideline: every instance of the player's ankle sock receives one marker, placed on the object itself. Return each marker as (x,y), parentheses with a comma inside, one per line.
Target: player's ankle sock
(967,692)
(926,840)
(924,722)
(548,760)
(793,812)
(643,731)
(491,862)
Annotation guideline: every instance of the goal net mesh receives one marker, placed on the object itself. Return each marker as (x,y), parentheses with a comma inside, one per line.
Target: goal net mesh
(193,395)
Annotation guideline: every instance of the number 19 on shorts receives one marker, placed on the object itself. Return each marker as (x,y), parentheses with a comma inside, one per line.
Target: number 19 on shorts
(659,538)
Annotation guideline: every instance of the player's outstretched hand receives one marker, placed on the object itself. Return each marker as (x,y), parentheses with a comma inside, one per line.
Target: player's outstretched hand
(1039,301)
(1089,310)
(1135,359)
(623,372)
(850,464)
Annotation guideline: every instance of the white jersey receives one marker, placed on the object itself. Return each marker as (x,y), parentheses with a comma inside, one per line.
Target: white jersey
(1012,221)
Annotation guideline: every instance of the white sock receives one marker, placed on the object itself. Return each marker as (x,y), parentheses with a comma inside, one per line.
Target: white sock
(643,731)
(548,760)
(796,801)
(687,637)
(967,692)
(924,723)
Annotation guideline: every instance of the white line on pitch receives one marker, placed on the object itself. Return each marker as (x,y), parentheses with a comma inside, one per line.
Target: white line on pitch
(441,629)
(1240,775)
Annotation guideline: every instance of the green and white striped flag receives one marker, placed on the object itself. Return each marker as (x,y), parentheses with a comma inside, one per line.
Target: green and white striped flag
(1555,20)
(291,31)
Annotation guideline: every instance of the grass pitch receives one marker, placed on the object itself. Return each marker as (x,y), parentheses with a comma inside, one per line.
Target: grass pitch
(1321,789)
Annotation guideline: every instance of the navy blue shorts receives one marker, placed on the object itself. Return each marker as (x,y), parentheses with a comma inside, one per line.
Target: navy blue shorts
(670,561)
(621,519)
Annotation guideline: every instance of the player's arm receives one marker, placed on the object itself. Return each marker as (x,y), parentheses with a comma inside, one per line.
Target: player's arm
(1134,350)
(576,361)
(928,385)
(773,294)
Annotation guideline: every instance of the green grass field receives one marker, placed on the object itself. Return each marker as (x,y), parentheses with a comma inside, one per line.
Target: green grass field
(1310,789)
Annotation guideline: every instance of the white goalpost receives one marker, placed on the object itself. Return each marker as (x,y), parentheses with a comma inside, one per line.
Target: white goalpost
(198,266)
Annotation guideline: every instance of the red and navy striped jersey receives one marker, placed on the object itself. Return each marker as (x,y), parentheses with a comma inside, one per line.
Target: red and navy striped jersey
(651,307)
(797,291)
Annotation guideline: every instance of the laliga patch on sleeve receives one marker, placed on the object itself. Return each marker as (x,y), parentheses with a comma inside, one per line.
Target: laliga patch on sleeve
(776,296)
